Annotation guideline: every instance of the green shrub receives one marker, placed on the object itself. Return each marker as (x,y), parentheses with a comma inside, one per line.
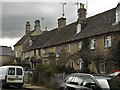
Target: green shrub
(42,73)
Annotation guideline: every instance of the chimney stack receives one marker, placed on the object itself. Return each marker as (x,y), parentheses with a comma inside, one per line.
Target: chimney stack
(27,27)
(81,14)
(37,27)
(61,22)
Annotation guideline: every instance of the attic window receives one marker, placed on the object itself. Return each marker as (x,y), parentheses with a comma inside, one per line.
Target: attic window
(118,13)
(78,28)
(117,16)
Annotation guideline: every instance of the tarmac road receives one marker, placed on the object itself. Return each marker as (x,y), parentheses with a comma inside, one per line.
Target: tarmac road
(15,88)
(26,87)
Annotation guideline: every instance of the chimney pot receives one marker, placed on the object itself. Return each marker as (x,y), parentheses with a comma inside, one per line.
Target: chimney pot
(81,5)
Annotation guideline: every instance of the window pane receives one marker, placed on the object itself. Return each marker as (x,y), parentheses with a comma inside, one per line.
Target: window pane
(79,80)
(103,83)
(11,71)
(79,46)
(57,51)
(78,28)
(93,44)
(69,79)
(69,47)
(88,80)
(19,71)
(108,41)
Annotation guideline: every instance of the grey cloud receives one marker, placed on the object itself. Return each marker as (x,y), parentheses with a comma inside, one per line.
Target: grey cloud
(15,14)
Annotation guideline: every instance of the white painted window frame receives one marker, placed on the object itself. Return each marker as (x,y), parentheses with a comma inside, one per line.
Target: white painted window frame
(69,47)
(79,45)
(92,44)
(107,41)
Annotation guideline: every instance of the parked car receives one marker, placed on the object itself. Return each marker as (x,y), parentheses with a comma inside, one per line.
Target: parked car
(116,73)
(82,81)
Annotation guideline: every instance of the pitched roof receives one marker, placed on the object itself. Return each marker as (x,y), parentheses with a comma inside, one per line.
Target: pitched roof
(40,40)
(24,38)
(99,24)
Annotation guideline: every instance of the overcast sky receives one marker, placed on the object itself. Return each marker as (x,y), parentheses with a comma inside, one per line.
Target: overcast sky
(15,13)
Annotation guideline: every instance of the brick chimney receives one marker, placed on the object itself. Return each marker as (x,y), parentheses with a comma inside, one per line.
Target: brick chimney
(27,27)
(81,14)
(61,22)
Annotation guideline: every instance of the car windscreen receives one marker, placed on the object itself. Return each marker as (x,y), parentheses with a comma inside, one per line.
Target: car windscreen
(19,71)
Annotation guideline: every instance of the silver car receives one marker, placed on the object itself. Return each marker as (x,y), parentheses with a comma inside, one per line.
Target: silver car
(82,81)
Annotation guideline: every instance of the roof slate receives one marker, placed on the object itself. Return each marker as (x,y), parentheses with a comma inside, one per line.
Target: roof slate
(96,25)
(21,41)
(99,24)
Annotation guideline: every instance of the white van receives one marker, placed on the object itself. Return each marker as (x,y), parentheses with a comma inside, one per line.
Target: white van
(12,75)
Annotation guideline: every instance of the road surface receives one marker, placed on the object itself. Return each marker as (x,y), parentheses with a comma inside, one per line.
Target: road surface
(25,88)
(15,88)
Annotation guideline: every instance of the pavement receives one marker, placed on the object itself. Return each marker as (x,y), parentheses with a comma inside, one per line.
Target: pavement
(34,87)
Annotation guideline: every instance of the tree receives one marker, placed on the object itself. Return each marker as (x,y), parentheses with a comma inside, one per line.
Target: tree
(85,56)
(115,50)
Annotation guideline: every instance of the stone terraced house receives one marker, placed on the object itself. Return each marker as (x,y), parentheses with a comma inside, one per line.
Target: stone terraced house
(88,40)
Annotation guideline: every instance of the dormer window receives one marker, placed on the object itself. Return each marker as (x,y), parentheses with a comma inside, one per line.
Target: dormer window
(117,16)
(78,28)
(30,42)
(118,13)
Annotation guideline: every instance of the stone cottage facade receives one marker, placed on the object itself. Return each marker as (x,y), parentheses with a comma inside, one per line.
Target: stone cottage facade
(87,42)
